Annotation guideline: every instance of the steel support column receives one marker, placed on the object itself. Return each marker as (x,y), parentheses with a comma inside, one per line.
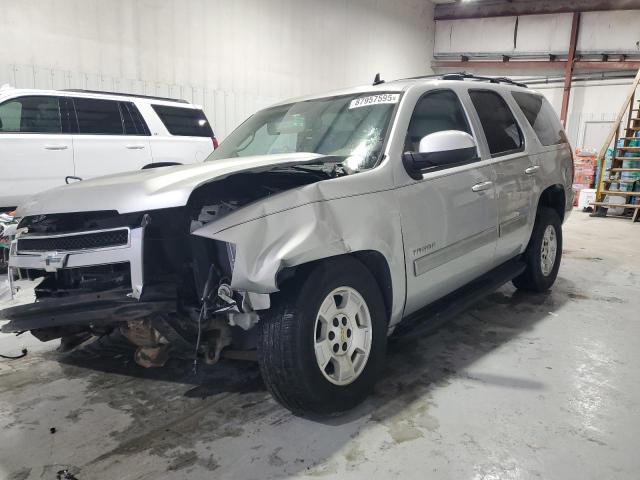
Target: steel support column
(568,69)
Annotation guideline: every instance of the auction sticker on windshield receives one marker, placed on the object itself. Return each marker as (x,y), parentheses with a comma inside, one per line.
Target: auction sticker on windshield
(374,99)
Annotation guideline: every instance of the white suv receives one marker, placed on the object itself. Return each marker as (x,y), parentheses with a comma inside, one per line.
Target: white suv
(48,137)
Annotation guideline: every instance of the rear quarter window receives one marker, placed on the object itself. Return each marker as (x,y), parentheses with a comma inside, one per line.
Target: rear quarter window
(186,122)
(500,127)
(541,117)
(134,124)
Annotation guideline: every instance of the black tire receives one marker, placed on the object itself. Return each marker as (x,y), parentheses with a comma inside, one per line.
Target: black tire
(286,340)
(533,279)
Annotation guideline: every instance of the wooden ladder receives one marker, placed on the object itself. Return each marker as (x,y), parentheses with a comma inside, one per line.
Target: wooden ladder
(614,173)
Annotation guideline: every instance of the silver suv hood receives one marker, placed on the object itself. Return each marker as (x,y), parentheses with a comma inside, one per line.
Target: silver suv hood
(151,189)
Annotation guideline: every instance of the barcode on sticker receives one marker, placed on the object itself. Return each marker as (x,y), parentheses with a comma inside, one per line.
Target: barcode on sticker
(374,100)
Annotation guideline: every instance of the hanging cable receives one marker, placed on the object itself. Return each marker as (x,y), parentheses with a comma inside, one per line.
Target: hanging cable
(206,292)
(15,357)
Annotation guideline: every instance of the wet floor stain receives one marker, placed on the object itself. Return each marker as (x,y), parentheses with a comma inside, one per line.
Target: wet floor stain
(183,460)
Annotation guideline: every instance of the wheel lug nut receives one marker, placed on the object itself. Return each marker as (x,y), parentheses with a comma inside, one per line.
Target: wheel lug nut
(348,333)
(344,321)
(332,335)
(344,347)
(336,347)
(335,322)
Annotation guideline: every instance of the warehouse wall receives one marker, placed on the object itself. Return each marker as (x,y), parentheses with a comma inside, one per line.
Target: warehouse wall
(614,31)
(593,105)
(232,57)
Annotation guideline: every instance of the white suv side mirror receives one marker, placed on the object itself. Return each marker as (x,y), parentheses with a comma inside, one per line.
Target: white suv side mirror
(439,150)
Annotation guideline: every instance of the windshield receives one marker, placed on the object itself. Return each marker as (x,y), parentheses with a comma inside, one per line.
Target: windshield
(349,127)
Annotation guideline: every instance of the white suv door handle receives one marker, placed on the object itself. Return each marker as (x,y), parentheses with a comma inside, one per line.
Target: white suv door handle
(482,186)
(134,147)
(56,147)
(532,170)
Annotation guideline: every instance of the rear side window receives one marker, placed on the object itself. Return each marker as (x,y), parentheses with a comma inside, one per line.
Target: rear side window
(98,116)
(134,124)
(37,114)
(541,117)
(187,122)
(500,127)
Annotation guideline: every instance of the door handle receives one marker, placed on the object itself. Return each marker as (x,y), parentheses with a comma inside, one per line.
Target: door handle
(134,147)
(482,186)
(56,147)
(532,170)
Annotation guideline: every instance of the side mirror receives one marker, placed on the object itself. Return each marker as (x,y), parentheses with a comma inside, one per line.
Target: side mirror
(439,150)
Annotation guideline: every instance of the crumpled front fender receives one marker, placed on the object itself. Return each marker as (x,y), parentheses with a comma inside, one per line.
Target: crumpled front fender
(316,230)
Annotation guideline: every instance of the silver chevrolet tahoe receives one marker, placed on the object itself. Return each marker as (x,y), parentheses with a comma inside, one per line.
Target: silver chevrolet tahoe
(318,228)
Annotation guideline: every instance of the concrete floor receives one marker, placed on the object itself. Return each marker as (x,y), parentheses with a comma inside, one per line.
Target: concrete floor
(521,386)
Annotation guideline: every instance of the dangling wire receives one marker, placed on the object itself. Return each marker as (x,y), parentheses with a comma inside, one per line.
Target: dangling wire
(15,357)
(195,356)
(203,310)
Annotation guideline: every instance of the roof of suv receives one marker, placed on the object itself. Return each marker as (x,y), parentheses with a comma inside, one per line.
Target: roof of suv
(97,94)
(403,84)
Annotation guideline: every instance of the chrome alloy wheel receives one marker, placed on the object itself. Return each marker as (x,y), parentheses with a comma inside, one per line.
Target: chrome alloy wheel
(549,250)
(342,336)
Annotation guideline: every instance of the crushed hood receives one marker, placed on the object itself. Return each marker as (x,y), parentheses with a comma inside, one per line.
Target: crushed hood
(151,189)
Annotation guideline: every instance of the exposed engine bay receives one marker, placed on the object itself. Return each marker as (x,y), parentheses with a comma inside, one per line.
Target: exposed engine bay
(169,295)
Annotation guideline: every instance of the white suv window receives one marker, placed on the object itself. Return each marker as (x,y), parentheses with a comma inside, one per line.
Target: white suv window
(36,114)
(97,116)
(185,122)
(500,126)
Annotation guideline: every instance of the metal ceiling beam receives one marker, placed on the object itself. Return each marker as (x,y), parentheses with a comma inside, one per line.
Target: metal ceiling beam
(506,8)
(536,65)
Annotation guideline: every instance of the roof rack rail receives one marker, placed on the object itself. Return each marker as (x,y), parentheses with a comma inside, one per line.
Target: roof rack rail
(468,76)
(435,75)
(471,76)
(166,99)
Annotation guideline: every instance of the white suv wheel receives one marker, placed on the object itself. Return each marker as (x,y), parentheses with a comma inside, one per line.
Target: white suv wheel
(342,336)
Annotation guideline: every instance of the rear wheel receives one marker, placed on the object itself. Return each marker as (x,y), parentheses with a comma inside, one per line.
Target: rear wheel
(543,253)
(322,347)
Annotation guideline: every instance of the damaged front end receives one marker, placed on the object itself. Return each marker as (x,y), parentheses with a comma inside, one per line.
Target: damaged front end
(143,274)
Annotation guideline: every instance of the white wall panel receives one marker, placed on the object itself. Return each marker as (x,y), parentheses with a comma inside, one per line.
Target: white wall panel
(534,33)
(602,31)
(245,53)
(491,35)
(599,32)
(544,33)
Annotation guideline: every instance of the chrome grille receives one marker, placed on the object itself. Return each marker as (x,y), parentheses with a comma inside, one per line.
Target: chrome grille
(74,242)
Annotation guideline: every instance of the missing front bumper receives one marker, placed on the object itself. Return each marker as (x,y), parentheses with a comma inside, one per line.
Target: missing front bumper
(91,309)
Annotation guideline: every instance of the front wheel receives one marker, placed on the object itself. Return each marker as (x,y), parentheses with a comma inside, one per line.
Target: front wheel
(543,253)
(323,346)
